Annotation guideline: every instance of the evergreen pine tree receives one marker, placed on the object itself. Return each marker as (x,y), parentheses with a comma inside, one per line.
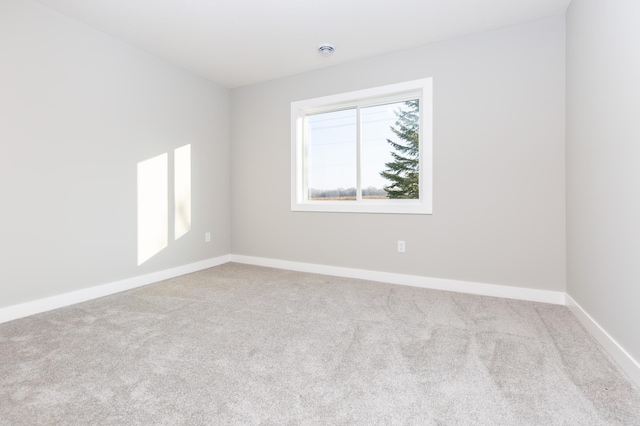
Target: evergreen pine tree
(403,172)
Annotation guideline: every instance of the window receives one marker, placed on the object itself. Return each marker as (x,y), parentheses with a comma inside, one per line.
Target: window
(367,151)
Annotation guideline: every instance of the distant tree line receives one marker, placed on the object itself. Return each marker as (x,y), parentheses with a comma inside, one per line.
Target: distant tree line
(346,192)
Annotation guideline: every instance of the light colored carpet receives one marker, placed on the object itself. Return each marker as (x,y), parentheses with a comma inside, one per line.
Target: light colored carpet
(240,344)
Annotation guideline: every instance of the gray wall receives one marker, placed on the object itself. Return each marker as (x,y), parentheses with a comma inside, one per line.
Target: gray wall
(603,164)
(78,111)
(499,168)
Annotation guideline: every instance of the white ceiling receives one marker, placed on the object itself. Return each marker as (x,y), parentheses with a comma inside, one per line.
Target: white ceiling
(240,42)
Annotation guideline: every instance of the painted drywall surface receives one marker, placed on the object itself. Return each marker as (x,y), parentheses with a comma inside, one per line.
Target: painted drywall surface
(78,111)
(499,212)
(603,173)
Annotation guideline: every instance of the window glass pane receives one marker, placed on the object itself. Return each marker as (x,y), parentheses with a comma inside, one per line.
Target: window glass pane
(390,150)
(331,155)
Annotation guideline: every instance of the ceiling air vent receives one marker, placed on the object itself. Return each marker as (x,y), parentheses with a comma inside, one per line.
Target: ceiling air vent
(326,49)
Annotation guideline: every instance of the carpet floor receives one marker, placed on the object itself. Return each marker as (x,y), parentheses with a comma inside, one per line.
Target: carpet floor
(239,344)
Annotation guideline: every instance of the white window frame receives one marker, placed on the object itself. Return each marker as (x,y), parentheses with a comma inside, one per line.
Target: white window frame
(417,89)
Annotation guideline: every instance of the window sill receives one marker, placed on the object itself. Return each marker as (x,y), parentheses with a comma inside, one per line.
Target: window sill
(398,207)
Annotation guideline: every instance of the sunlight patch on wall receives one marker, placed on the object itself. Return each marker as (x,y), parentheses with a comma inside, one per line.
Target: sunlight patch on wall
(182,190)
(153,199)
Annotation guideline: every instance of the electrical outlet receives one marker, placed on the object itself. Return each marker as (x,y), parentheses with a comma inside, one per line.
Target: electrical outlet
(207,237)
(401,247)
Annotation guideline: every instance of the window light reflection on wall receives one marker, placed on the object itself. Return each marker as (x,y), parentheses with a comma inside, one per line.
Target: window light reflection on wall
(153,201)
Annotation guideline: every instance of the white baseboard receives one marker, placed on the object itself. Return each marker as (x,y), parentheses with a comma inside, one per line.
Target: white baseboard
(534,295)
(628,364)
(13,312)
(49,303)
